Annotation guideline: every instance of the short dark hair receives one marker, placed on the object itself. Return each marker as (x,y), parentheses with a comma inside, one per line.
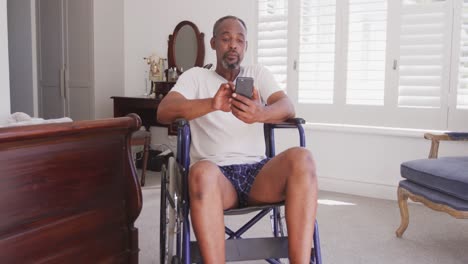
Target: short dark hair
(219,21)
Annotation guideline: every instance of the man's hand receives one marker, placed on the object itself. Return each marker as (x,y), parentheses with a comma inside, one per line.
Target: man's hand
(222,99)
(248,110)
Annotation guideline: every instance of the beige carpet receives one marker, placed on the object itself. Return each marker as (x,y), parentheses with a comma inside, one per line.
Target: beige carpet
(353,229)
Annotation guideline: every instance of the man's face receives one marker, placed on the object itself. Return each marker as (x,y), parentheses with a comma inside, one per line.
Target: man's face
(229,43)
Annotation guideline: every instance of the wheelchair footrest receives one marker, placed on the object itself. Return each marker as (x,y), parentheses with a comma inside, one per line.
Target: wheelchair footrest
(248,249)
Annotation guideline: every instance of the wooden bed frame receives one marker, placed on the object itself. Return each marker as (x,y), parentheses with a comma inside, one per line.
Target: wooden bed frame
(69,192)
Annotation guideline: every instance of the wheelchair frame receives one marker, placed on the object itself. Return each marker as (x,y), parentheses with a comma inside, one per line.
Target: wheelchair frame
(175,212)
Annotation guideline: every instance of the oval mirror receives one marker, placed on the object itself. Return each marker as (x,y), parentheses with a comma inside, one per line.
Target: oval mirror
(186,47)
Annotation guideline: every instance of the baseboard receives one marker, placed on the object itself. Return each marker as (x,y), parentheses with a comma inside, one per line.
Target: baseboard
(366,189)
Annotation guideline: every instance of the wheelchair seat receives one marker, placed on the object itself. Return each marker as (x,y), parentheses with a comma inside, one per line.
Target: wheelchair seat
(175,243)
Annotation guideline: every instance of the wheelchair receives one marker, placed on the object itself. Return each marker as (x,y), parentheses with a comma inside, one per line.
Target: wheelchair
(175,244)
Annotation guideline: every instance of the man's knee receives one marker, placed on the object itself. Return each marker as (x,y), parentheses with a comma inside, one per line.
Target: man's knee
(301,163)
(202,178)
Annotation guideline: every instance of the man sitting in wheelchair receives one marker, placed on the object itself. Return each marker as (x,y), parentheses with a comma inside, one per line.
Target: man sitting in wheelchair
(229,168)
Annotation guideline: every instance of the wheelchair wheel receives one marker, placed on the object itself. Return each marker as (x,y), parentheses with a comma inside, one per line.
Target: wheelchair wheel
(175,260)
(282,230)
(281,220)
(168,215)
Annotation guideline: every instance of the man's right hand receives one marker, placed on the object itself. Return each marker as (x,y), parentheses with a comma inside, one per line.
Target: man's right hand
(223,97)
(175,105)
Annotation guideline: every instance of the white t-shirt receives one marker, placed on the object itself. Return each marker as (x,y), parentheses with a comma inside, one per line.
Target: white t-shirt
(219,136)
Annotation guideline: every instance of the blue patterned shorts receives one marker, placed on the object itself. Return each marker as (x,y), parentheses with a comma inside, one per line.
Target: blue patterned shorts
(242,177)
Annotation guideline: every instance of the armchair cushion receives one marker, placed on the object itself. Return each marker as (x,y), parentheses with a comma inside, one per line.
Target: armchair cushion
(436,197)
(448,175)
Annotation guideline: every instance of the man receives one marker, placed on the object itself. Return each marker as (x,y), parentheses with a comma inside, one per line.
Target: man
(229,168)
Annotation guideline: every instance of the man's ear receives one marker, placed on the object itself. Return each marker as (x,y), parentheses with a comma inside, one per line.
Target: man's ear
(212,43)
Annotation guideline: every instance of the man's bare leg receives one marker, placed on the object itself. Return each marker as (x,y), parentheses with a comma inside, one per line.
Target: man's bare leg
(291,176)
(210,192)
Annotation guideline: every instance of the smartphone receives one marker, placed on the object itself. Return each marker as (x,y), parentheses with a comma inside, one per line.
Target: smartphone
(244,86)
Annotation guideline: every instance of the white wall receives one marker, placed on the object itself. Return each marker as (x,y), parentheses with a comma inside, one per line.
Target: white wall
(108,55)
(4,68)
(364,161)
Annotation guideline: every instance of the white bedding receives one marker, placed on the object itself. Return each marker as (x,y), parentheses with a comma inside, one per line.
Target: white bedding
(23,119)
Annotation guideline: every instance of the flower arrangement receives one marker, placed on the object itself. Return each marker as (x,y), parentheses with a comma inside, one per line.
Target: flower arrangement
(156,72)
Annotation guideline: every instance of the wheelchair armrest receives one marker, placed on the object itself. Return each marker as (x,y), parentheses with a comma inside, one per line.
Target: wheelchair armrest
(289,123)
(449,136)
(183,142)
(270,135)
(181,122)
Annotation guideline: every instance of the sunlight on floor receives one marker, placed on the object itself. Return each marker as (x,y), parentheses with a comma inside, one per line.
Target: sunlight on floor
(333,202)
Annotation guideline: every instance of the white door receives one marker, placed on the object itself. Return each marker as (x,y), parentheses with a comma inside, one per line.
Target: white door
(65,29)
(79,58)
(52,103)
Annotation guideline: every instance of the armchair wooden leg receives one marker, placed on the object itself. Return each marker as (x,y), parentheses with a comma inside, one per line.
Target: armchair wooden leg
(145,162)
(403,204)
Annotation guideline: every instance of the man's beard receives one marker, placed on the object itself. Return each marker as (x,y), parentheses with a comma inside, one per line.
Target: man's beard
(230,66)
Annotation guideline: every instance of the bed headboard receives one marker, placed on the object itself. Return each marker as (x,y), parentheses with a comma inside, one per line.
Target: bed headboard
(69,192)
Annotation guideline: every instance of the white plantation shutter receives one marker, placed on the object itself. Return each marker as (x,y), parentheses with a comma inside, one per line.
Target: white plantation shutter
(317,51)
(272,45)
(344,51)
(367,28)
(462,98)
(424,42)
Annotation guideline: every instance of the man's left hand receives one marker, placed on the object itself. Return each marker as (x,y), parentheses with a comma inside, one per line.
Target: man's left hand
(246,109)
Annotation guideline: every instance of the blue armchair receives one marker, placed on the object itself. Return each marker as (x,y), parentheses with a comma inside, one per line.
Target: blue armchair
(439,183)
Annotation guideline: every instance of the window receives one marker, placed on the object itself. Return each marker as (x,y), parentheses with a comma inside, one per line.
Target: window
(317,52)
(366,46)
(462,99)
(272,37)
(424,43)
(370,62)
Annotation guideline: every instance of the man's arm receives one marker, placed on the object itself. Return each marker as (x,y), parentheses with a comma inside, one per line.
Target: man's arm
(279,108)
(175,105)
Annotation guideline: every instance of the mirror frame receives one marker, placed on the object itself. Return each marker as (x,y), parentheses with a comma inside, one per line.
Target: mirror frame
(200,45)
